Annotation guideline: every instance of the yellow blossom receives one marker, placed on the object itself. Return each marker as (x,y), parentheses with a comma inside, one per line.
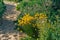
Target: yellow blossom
(37,15)
(42,16)
(25,19)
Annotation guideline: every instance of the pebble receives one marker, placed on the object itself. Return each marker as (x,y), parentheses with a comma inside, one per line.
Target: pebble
(9,37)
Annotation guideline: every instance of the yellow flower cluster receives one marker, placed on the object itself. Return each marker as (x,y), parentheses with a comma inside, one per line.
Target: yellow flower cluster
(25,20)
(40,16)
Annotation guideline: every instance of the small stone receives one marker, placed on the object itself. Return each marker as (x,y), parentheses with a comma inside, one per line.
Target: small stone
(14,35)
(5,36)
(9,38)
(5,39)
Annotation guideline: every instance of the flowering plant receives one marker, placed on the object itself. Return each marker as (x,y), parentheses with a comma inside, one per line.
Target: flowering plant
(32,24)
(37,27)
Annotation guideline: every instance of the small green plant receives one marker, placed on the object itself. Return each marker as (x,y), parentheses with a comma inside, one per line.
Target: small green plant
(28,38)
(2,9)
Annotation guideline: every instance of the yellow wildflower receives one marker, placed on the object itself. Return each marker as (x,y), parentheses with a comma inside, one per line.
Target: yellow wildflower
(42,16)
(25,20)
(37,15)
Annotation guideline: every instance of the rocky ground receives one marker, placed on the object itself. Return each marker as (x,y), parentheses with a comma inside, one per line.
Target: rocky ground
(7,31)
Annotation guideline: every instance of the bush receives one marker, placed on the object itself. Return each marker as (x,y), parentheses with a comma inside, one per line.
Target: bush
(2,9)
(37,27)
(44,22)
